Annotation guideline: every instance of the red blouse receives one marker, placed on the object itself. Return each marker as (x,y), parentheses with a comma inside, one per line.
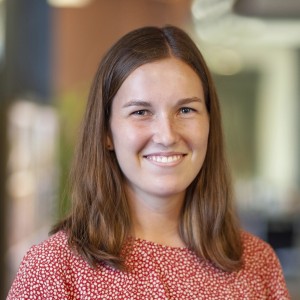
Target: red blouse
(52,270)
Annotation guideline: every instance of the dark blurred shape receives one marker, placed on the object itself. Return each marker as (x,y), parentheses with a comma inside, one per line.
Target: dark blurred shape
(288,9)
(27,49)
(281,233)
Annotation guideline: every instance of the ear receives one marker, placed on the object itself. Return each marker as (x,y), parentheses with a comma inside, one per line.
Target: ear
(109,143)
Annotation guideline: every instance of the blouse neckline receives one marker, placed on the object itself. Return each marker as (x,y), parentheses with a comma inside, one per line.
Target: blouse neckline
(142,242)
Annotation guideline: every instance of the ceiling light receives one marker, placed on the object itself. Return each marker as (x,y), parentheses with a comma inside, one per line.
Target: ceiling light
(68,3)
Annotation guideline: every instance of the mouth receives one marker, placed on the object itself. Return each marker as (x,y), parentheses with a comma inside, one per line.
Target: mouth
(167,159)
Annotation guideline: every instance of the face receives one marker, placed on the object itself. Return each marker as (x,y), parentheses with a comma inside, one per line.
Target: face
(159,128)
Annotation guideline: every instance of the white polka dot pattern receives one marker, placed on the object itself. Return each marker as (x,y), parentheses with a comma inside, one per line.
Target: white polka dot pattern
(52,271)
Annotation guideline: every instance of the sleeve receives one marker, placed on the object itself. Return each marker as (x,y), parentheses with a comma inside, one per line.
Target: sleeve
(274,278)
(41,276)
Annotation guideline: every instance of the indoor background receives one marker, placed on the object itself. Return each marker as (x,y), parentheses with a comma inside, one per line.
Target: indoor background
(49,52)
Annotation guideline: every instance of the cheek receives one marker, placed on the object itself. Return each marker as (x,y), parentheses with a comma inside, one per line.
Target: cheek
(129,138)
(200,145)
(199,136)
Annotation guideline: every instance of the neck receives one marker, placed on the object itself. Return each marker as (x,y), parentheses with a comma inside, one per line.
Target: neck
(156,219)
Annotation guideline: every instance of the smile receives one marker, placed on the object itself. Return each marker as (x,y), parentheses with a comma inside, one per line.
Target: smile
(164,159)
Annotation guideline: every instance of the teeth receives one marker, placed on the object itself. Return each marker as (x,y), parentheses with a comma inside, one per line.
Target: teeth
(165,159)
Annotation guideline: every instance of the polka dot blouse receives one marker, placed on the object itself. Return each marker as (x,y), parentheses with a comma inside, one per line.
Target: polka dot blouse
(52,271)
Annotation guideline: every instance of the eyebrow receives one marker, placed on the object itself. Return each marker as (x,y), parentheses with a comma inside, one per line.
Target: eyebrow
(189,100)
(148,104)
(137,103)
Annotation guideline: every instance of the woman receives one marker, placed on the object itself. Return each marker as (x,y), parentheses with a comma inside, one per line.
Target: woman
(152,214)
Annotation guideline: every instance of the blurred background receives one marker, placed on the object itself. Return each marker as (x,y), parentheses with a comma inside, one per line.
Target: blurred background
(49,52)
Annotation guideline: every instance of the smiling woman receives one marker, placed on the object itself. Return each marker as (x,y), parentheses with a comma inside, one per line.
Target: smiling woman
(152,213)
(160,143)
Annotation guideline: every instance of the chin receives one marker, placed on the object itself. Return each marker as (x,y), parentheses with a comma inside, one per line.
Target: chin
(169,191)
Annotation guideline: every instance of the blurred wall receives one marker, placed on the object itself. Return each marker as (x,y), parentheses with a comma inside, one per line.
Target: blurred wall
(82,36)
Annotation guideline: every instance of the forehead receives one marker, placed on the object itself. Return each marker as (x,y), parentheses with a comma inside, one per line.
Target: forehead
(169,76)
(170,64)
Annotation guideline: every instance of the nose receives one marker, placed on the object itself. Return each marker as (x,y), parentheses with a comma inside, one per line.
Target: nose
(165,131)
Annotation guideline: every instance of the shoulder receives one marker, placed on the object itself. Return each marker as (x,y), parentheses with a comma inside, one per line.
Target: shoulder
(44,269)
(254,247)
(257,253)
(252,242)
(261,265)
(55,248)
(57,240)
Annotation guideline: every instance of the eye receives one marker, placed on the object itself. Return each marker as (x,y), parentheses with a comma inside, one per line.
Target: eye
(141,112)
(186,110)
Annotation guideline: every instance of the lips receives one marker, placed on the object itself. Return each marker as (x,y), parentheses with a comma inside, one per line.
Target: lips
(165,158)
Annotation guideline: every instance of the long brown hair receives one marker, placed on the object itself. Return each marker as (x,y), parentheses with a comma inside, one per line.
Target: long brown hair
(99,221)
